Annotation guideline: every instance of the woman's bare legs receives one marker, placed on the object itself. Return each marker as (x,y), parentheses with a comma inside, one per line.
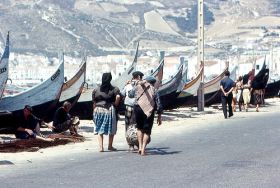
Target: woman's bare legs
(100,142)
(257,107)
(145,142)
(246,107)
(110,144)
(233,104)
(140,136)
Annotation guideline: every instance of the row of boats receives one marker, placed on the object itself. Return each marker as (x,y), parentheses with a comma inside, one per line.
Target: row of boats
(47,96)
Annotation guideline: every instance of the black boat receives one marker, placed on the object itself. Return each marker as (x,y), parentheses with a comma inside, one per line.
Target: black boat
(272,89)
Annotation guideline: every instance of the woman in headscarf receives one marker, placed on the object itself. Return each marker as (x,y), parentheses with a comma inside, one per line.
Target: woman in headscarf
(105,99)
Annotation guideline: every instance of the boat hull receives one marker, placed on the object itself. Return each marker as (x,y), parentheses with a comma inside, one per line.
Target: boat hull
(272,89)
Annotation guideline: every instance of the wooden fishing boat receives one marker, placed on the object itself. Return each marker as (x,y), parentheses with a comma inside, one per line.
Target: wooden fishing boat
(121,81)
(212,89)
(169,90)
(4,66)
(158,73)
(72,89)
(184,74)
(260,80)
(272,89)
(83,108)
(43,98)
(187,95)
(185,70)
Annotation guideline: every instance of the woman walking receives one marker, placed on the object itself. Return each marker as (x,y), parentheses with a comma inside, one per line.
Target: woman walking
(105,100)
(258,93)
(247,89)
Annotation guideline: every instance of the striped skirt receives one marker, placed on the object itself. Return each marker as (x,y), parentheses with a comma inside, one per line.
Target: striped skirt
(105,120)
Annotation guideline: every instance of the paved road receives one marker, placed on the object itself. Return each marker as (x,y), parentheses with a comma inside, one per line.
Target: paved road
(237,152)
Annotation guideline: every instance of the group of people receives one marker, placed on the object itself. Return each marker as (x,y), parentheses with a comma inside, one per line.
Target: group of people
(239,93)
(29,125)
(141,103)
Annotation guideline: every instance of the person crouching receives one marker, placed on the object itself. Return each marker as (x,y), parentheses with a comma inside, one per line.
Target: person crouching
(63,120)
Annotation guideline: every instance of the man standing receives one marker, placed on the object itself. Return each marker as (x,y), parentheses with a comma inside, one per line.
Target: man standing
(63,120)
(227,85)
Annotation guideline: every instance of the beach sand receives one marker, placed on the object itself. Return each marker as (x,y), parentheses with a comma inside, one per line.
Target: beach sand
(174,121)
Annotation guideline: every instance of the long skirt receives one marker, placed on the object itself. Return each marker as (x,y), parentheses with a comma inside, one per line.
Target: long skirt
(258,96)
(246,96)
(105,120)
(130,127)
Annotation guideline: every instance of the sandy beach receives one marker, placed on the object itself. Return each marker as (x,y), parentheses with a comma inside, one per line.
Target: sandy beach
(173,121)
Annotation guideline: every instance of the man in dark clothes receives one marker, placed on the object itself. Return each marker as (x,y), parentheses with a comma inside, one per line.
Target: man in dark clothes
(227,85)
(29,125)
(63,120)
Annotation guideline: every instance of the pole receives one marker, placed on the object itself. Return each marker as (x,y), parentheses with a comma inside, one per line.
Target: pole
(200,55)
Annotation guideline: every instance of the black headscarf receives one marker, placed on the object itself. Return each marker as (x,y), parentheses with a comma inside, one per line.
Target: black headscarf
(106,82)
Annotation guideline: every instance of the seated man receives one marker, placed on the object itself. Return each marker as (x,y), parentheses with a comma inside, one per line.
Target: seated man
(63,120)
(29,126)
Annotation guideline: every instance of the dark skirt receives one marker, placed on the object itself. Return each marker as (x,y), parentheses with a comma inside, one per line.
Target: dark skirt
(258,96)
(143,123)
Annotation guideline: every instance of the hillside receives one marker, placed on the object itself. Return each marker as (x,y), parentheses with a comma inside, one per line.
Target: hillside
(114,26)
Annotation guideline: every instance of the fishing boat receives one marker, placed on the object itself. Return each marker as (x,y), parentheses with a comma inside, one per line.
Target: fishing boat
(187,95)
(260,80)
(273,85)
(158,72)
(272,88)
(43,98)
(185,70)
(169,90)
(212,89)
(121,81)
(72,89)
(4,66)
